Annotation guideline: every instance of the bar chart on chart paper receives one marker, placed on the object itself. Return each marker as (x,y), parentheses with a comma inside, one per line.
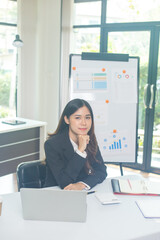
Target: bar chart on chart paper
(115,143)
(86,79)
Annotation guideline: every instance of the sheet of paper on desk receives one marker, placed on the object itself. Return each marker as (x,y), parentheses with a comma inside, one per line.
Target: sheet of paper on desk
(150,208)
(107,198)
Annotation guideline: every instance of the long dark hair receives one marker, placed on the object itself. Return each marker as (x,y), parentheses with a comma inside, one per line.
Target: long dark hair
(71,108)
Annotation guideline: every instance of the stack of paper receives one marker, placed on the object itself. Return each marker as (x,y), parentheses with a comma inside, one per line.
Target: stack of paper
(150,208)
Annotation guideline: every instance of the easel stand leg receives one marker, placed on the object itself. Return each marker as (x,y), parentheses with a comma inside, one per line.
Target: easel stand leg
(121,169)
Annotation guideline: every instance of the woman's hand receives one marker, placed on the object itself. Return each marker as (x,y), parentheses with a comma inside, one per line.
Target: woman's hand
(83,140)
(75,186)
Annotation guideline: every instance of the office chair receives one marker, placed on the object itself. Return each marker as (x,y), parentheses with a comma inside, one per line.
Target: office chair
(31,174)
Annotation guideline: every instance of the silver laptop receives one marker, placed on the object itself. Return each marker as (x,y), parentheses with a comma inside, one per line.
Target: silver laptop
(53,205)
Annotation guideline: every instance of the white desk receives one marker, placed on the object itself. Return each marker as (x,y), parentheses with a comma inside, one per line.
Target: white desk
(20,143)
(104,222)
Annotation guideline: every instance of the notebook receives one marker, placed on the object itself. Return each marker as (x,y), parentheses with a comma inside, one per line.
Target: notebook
(53,205)
(135,187)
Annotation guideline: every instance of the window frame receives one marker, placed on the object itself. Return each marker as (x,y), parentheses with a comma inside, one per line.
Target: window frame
(105,28)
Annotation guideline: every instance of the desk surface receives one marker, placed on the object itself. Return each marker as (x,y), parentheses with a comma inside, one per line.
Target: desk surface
(20,143)
(28,124)
(122,221)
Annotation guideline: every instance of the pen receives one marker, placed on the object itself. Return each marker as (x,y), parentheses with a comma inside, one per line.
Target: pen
(91,192)
(129,184)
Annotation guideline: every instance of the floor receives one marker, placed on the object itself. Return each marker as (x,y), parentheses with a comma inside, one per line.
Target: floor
(8,183)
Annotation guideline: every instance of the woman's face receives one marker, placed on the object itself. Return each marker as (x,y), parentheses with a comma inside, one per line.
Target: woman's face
(79,122)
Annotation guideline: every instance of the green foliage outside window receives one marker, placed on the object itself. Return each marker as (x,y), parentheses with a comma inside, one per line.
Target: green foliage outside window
(5,93)
(4,88)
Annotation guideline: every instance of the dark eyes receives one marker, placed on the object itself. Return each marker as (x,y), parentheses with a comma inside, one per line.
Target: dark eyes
(80,117)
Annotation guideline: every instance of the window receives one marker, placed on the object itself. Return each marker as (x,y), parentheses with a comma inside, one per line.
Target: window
(133,27)
(87,13)
(8,30)
(132,11)
(86,39)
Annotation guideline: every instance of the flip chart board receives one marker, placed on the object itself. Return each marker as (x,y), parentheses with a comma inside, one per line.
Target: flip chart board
(109,82)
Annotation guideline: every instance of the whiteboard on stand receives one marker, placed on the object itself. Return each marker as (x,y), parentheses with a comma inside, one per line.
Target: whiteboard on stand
(110,85)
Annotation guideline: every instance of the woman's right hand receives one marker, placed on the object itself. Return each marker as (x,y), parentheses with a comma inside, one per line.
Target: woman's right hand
(83,140)
(75,186)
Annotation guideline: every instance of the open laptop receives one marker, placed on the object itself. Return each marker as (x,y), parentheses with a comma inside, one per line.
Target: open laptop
(53,205)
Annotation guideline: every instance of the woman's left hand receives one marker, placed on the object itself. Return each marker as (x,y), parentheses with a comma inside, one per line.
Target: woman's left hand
(75,186)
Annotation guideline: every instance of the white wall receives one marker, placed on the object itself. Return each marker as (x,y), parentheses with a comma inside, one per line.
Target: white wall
(38,91)
(66,44)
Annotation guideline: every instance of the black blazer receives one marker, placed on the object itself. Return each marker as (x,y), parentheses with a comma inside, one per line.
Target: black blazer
(64,166)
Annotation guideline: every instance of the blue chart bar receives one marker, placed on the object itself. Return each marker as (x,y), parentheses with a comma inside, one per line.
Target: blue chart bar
(99,74)
(116,145)
(100,84)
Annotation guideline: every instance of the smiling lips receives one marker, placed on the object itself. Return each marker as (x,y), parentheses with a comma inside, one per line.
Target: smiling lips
(82,129)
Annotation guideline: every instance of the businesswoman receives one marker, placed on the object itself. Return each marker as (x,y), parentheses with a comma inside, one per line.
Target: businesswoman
(73,159)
